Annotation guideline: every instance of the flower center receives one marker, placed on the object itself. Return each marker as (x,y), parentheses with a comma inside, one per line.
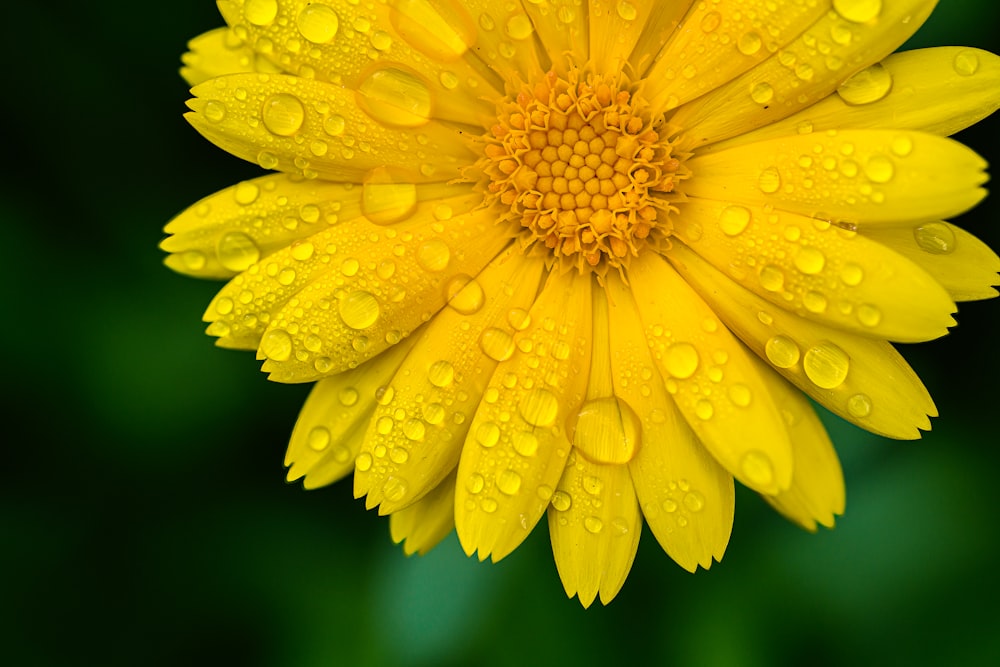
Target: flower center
(581,169)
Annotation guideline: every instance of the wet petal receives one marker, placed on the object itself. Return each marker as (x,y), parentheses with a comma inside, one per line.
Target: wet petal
(319,130)
(505,39)
(355,250)
(562,25)
(817,490)
(904,92)
(804,72)
(862,380)
(329,431)
(711,378)
(817,270)
(422,525)
(869,176)
(517,445)
(961,263)
(686,497)
(594,523)
(720,40)
(616,26)
(416,435)
(215,53)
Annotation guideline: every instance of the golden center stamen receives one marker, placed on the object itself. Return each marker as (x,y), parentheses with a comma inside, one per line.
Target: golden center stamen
(577,165)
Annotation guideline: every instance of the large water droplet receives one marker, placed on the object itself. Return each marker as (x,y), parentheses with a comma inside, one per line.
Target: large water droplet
(757,468)
(441,373)
(809,260)
(359,310)
(237,251)
(497,344)
(869,85)
(826,365)
(318,438)
(936,238)
(607,430)
(681,360)
(782,351)
(465,294)
(384,202)
(525,443)
(318,23)
(395,97)
(762,93)
(434,255)
(858,11)
(283,114)
(769,180)
(276,345)
(966,62)
(509,482)
(487,434)
(859,405)
(539,407)
(879,169)
(734,219)
(260,12)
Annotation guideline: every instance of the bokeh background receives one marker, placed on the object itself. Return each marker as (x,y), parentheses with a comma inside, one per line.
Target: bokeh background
(143,514)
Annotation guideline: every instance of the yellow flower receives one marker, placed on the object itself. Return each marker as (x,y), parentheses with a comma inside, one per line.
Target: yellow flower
(574,258)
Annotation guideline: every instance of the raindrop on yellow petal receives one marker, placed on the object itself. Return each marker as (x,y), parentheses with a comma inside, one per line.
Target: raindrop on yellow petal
(497,344)
(826,365)
(869,85)
(782,351)
(318,23)
(734,219)
(283,114)
(539,407)
(607,430)
(935,237)
(260,12)
(395,97)
(757,468)
(682,360)
(966,62)
(769,180)
(359,310)
(858,11)
(237,251)
(277,345)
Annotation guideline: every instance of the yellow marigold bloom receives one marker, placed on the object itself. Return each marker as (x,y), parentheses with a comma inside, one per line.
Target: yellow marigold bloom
(574,259)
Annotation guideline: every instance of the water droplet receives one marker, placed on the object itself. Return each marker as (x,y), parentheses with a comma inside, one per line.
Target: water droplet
(509,482)
(681,360)
(859,405)
(441,373)
(740,395)
(214,111)
(398,455)
(276,345)
(194,260)
(394,489)
(539,407)
(858,11)
(748,43)
(607,430)
(852,275)
(826,365)
(936,238)
(318,23)
(488,505)
(519,27)
(359,310)
(762,93)
(237,251)
(627,10)
(395,97)
(386,202)
(434,255)
(267,160)
(475,483)
(757,468)
(814,302)
(497,344)
(703,408)
(869,85)
(769,180)
(525,443)
(260,12)
(782,351)
(711,21)
(694,501)
(318,438)
(246,193)
(879,169)
(561,501)
(593,524)
(364,462)
(348,396)
(734,219)
(966,62)
(772,278)
(283,114)
(414,429)
(334,125)
(380,40)
(869,315)
(809,260)
(593,485)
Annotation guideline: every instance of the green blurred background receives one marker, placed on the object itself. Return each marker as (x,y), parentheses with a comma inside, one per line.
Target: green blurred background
(143,511)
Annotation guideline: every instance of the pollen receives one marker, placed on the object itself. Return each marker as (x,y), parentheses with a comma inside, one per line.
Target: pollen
(579,168)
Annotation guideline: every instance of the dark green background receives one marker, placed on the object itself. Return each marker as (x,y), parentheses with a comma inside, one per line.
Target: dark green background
(143,514)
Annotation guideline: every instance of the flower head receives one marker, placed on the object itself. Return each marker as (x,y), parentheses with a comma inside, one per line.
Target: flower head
(578,259)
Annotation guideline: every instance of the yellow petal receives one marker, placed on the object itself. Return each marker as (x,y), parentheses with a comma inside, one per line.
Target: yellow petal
(663,19)
(686,497)
(375,291)
(517,445)
(355,250)
(720,40)
(939,91)
(616,26)
(329,431)
(807,70)
(215,53)
(817,490)
(416,434)
(563,27)
(422,525)
(365,47)
(711,377)
(226,233)
(818,271)
(862,380)
(857,176)
(505,40)
(594,523)
(960,262)
(320,130)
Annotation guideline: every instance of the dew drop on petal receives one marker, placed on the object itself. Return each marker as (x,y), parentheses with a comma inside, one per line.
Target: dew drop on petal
(936,238)
(318,23)
(782,351)
(772,278)
(681,360)
(826,365)
(519,27)
(703,409)
(334,125)
(593,524)
(434,255)
(966,62)
(740,395)
(748,43)
(214,111)
(734,219)
(465,294)
(561,501)
(475,483)
(260,12)
(869,85)
(395,97)
(525,443)
(487,434)
(359,309)
(858,11)
(879,169)
(283,114)
(769,180)
(539,407)
(607,431)
(237,251)
(276,345)
(246,193)
(385,203)
(441,373)
(762,93)
(497,344)
(757,468)
(509,482)
(809,260)
(694,501)
(869,315)
(318,438)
